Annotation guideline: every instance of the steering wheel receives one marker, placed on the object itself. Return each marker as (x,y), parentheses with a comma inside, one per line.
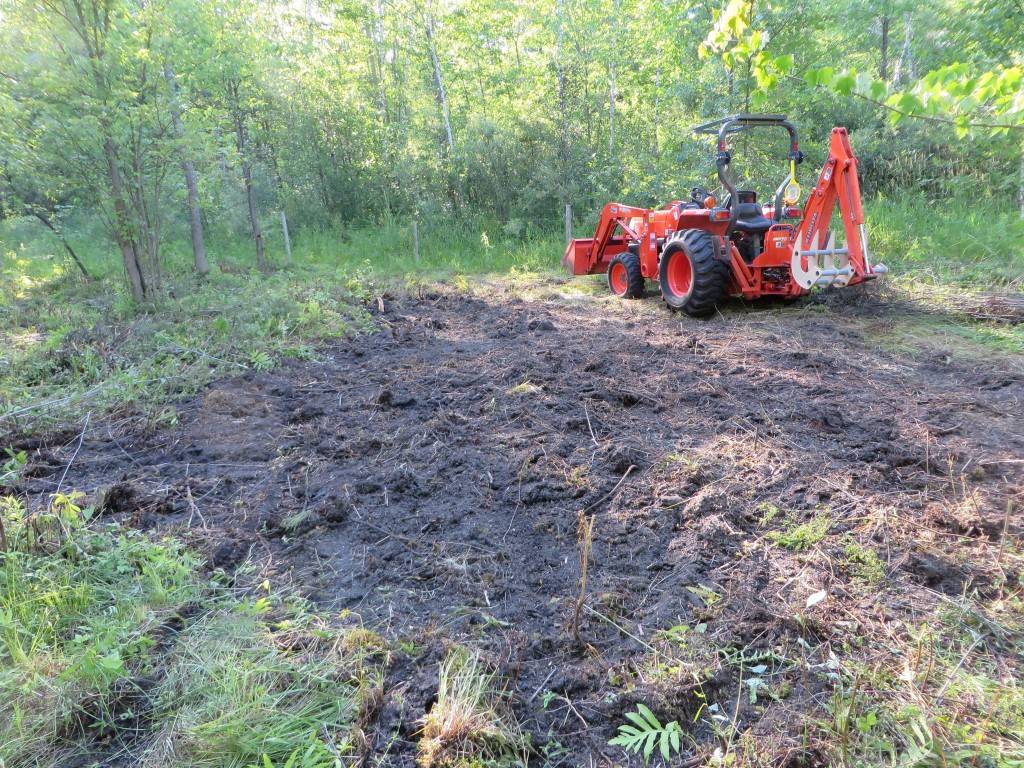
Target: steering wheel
(698,195)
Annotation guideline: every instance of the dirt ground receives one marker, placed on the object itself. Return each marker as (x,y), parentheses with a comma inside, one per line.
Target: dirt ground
(431,478)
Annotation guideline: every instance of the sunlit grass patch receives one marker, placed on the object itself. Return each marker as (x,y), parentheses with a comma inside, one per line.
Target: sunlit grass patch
(800,537)
(524,388)
(60,355)
(976,247)
(951,696)
(110,637)
(470,723)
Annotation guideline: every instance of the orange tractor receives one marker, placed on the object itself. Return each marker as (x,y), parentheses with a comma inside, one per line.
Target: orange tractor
(701,252)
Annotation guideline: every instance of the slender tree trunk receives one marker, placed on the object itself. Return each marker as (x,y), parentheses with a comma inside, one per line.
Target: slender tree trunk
(657,110)
(122,230)
(563,105)
(287,239)
(904,71)
(202,265)
(613,94)
(147,215)
(378,61)
(883,67)
(67,246)
(1020,182)
(92,32)
(586,103)
(250,193)
(442,97)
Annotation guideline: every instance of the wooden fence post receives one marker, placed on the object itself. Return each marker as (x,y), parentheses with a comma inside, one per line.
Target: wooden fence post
(287,240)
(416,241)
(568,223)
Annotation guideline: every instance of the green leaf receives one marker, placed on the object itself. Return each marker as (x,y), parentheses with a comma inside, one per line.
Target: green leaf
(844,84)
(824,76)
(649,716)
(784,63)
(644,725)
(652,739)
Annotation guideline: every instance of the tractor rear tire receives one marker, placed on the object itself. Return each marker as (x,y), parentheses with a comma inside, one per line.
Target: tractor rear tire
(624,276)
(692,278)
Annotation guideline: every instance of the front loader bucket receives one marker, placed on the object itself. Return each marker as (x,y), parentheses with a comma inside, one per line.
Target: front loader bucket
(577,259)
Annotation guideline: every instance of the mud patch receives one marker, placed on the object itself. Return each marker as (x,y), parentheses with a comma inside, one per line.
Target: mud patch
(431,478)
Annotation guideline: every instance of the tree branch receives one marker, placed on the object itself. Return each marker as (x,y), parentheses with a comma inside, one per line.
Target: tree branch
(936,118)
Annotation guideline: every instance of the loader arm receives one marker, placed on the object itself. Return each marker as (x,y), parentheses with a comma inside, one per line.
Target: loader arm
(591,255)
(816,260)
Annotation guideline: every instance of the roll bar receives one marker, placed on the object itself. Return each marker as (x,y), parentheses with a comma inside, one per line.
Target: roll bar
(728,126)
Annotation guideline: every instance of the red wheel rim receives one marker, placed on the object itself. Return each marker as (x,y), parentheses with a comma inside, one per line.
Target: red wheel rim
(679,274)
(618,279)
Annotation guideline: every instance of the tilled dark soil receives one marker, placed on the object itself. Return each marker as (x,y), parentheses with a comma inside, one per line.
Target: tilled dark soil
(432,478)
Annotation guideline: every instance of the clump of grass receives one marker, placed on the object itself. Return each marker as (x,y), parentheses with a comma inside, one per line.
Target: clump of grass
(524,388)
(230,693)
(801,537)
(79,612)
(864,563)
(768,512)
(950,701)
(469,725)
(110,637)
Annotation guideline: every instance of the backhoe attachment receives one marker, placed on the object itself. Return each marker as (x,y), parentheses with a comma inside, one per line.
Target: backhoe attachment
(816,261)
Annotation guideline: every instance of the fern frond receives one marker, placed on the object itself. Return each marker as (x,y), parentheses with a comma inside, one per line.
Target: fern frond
(645,732)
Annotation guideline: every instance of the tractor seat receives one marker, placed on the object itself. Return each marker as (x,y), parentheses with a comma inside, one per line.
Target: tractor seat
(751,219)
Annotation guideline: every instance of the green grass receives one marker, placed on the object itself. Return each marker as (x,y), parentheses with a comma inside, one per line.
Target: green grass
(957,700)
(67,345)
(110,637)
(960,243)
(800,537)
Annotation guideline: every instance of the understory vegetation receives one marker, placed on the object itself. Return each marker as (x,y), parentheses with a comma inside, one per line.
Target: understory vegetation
(70,345)
(119,646)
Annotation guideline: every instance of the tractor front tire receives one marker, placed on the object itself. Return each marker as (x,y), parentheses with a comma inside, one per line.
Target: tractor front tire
(624,276)
(692,278)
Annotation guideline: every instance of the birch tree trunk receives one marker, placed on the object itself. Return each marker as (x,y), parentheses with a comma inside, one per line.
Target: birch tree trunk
(612,96)
(904,71)
(92,31)
(378,61)
(656,149)
(442,97)
(613,93)
(202,265)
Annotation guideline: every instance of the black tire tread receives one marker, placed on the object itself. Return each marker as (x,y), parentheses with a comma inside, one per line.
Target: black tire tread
(710,274)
